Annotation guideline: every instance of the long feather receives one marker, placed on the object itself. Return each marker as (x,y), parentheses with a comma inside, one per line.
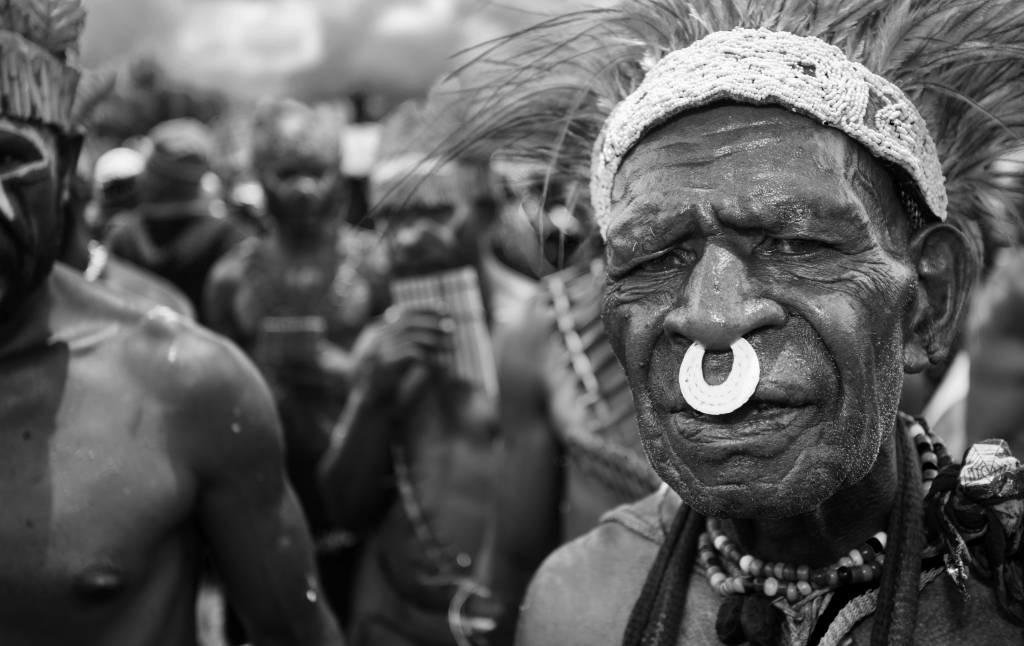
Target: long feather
(542,94)
(54,25)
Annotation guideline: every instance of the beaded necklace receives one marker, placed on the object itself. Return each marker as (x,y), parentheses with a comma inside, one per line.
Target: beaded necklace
(731,572)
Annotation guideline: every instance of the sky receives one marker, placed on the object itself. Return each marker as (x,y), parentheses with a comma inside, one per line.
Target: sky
(313,48)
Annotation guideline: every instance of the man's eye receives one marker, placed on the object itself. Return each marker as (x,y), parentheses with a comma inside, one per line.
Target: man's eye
(668,260)
(791,246)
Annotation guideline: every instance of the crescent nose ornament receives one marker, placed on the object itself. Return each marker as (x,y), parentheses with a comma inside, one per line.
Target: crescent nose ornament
(727,396)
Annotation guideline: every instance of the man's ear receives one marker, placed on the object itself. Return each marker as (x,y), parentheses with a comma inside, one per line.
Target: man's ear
(946,272)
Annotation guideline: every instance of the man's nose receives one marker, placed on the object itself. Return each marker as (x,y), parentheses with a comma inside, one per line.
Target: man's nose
(720,303)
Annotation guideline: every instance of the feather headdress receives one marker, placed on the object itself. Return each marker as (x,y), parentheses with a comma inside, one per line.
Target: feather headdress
(38,48)
(543,94)
(412,168)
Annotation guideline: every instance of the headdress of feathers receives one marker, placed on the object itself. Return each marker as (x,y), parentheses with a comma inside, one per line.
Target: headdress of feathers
(412,169)
(545,93)
(38,48)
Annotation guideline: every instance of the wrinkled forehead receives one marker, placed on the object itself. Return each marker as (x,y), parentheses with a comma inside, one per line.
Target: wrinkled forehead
(747,158)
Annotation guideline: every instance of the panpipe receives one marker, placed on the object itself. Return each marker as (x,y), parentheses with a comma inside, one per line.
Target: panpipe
(471,357)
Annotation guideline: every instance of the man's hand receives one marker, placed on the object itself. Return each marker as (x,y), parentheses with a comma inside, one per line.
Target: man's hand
(395,358)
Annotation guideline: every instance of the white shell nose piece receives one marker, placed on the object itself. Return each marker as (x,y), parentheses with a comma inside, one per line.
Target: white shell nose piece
(727,396)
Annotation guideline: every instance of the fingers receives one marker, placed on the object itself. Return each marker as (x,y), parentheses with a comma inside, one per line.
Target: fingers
(426,326)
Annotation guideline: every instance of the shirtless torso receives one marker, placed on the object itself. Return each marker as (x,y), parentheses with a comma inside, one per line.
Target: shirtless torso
(132,441)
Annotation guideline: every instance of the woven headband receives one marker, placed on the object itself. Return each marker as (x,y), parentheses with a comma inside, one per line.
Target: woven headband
(764,67)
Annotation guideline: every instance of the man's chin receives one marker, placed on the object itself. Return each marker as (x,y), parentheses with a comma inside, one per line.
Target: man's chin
(755,500)
(770,464)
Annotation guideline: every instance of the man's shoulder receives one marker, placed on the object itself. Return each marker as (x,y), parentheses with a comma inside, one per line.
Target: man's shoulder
(238,261)
(584,591)
(152,343)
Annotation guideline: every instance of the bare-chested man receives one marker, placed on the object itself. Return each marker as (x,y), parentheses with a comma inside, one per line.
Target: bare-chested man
(792,206)
(134,443)
(411,464)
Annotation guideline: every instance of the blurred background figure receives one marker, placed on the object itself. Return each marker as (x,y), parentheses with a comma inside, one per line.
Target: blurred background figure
(542,224)
(411,464)
(995,401)
(173,232)
(570,444)
(296,298)
(85,253)
(114,187)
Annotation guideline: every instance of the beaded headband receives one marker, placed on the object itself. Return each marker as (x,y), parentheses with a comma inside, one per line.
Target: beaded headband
(762,67)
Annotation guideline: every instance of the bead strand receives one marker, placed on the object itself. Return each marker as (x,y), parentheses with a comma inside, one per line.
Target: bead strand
(730,571)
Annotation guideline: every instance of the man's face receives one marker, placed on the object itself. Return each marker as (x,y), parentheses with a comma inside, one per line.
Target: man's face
(754,222)
(305,195)
(30,209)
(424,240)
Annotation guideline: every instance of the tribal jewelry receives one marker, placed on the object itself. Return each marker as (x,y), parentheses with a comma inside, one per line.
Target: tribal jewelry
(760,66)
(729,571)
(727,396)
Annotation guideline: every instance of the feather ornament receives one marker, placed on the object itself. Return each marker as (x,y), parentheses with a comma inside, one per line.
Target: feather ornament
(541,95)
(54,25)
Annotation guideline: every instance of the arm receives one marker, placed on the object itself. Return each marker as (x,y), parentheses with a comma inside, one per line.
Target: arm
(529,482)
(247,512)
(393,362)
(356,476)
(219,298)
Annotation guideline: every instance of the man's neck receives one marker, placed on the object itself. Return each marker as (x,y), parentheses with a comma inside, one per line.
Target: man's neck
(840,524)
(292,245)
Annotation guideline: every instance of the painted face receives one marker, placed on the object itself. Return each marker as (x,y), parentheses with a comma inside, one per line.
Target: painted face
(30,209)
(754,222)
(304,195)
(296,154)
(423,240)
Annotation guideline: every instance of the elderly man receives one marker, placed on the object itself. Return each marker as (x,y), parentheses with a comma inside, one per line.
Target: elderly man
(134,442)
(781,246)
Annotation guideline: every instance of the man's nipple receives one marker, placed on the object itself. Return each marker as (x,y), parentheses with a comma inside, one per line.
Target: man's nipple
(99,583)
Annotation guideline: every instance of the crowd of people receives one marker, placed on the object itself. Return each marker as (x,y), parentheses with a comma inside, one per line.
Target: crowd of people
(668,323)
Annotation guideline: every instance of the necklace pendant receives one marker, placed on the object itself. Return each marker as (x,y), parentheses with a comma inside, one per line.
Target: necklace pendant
(731,394)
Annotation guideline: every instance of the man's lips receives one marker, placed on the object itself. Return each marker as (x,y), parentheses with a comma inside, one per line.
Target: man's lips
(768,395)
(758,427)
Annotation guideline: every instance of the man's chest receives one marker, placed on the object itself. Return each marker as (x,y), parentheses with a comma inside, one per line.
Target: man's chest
(334,290)
(89,490)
